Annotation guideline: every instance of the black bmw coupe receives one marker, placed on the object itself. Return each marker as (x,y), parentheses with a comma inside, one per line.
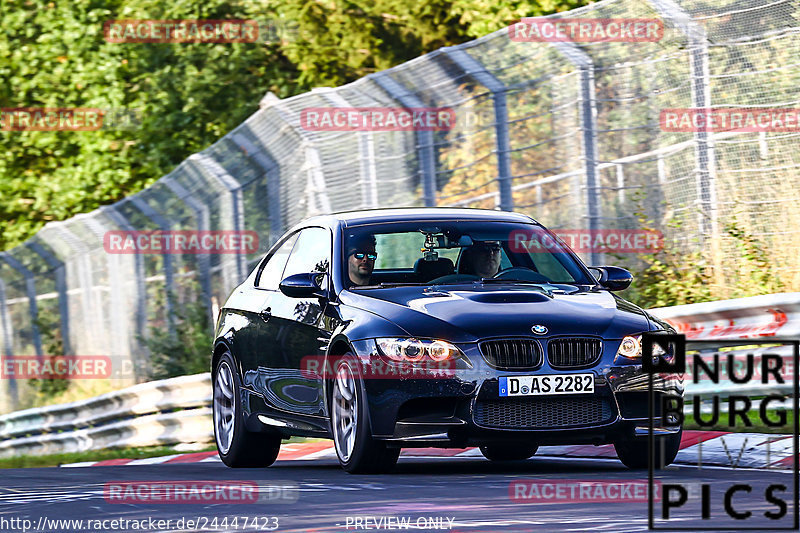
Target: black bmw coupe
(439,327)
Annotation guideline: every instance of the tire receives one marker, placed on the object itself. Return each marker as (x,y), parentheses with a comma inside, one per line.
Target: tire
(357,451)
(634,452)
(237,447)
(506,452)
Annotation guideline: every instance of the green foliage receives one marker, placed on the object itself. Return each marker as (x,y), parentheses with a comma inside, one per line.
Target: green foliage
(674,276)
(484,16)
(756,269)
(183,348)
(48,322)
(53,54)
(187,95)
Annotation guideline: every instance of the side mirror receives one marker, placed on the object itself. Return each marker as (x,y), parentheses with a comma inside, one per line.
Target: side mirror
(306,285)
(613,278)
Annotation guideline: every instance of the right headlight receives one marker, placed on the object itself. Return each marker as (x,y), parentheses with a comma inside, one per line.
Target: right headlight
(631,348)
(417,350)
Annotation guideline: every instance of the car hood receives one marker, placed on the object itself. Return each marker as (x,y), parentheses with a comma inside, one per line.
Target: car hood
(467,313)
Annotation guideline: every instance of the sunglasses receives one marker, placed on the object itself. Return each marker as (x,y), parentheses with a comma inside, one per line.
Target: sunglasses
(494,248)
(362,255)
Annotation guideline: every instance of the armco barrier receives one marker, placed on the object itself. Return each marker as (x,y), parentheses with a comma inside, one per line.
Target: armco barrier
(756,317)
(141,415)
(136,416)
(193,425)
(771,315)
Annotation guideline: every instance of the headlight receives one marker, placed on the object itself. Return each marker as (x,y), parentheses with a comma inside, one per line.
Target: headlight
(417,350)
(631,347)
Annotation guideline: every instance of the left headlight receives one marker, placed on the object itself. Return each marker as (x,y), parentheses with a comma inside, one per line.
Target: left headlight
(631,348)
(417,350)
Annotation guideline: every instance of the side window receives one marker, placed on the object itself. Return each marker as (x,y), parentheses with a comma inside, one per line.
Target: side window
(312,253)
(272,272)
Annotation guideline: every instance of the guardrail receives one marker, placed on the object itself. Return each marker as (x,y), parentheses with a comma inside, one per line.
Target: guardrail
(756,317)
(771,315)
(163,412)
(177,410)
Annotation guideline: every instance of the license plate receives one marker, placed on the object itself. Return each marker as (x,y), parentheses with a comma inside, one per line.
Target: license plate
(547,384)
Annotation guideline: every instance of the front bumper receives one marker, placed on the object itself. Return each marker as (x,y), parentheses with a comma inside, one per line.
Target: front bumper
(465,409)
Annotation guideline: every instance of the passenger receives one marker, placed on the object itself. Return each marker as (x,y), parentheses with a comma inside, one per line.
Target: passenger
(482,259)
(361,257)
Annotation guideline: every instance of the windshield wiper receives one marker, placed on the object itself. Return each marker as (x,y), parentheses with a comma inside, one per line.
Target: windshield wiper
(386,285)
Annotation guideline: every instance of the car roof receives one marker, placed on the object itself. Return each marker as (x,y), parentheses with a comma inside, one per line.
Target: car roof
(377,216)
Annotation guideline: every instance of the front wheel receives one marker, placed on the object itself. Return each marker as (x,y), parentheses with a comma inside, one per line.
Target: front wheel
(634,452)
(237,447)
(504,452)
(357,450)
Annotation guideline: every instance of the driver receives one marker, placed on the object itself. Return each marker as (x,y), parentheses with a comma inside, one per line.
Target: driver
(482,259)
(361,257)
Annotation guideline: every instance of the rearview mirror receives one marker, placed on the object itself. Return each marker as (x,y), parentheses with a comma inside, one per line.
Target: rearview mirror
(613,278)
(304,285)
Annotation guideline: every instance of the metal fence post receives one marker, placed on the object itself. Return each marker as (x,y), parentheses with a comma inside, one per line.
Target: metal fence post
(8,346)
(30,289)
(5,322)
(699,81)
(588,124)
(475,69)
(83,265)
(234,188)
(316,189)
(272,172)
(138,265)
(366,152)
(61,287)
(169,273)
(203,224)
(704,149)
(118,340)
(425,149)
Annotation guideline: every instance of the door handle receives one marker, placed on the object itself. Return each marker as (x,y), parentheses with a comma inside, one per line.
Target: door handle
(266,314)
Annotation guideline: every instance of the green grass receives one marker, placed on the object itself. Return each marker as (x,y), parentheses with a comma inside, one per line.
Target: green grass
(755,418)
(35,461)
(38,461)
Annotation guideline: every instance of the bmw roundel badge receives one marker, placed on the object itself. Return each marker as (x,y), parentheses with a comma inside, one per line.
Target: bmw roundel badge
(539,329)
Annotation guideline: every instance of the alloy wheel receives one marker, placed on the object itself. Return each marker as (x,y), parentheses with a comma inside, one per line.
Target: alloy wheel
(345,411)
(224,407)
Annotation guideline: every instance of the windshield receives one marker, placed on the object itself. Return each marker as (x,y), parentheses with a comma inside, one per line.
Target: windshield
(450,252)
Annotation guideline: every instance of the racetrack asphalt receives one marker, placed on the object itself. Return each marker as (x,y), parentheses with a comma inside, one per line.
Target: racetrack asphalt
(456,494)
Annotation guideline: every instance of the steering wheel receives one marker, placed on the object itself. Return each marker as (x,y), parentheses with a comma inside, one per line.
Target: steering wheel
(520,273)
(453,278)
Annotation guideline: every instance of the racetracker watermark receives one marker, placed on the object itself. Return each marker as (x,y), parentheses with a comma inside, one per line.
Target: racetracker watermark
(632,30)
(626,241)
(744,119)
(57,367)
(203,492)
(377,119)
(124,522)
(577,491)
(320,366)
(180,242)
(68,119)
(181,31)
